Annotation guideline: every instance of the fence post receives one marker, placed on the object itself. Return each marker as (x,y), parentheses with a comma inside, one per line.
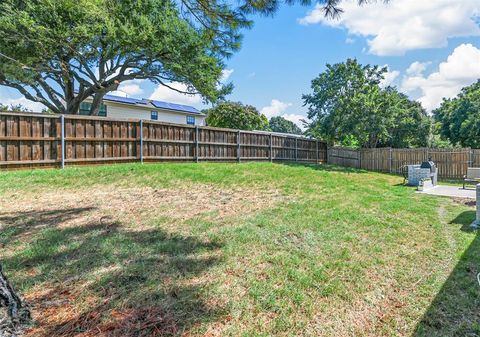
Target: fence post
(62,139)
(390,158)
(196,143)
(238,146)
(271,148)
(296,149)
(316,150)
(141,141)
(470,158)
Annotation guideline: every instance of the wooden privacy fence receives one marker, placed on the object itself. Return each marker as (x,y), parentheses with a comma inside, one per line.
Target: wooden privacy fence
(29,140)
(451,163)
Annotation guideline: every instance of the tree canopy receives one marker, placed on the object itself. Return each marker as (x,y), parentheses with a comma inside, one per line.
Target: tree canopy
(235,115)
(348,106)
(459,118)
(60,52)
(280,124)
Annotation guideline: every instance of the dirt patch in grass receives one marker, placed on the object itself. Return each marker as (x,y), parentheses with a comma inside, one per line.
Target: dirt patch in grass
(134,206)
(465,201)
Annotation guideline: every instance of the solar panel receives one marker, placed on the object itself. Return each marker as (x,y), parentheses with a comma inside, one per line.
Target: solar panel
(157,104)
(120,99)
(173,106)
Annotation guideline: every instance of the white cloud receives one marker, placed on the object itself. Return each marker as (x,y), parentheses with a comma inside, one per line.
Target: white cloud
(461,68)
(276,108)
(6,99)
(163,93)
(119,93)
(132,88)
(398,26)
(297,119)
(349,40)
(226,73)
(127,90)
(389,77)
(417,68)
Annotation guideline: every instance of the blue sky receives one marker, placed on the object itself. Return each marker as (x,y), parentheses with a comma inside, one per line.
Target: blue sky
(432,49)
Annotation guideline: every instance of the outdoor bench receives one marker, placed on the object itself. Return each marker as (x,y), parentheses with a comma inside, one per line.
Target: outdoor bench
(472,176)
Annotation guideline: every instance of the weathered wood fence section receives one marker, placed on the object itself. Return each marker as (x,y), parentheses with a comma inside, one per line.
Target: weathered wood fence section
(31,140)
(451,163)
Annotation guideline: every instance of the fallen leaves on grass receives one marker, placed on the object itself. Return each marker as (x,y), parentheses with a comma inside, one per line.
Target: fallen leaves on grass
(58,315)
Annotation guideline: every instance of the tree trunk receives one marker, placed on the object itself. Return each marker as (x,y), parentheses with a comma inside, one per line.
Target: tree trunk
(96,102)
(73,107)
(17,311)
(98,98)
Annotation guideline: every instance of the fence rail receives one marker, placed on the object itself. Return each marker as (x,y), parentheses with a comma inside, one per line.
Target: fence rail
(32,140)
(451,163)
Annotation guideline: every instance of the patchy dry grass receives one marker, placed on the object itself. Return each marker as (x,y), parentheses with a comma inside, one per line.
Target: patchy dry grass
(228,249)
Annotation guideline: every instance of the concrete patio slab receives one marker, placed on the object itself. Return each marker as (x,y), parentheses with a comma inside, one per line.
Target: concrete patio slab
(451,191)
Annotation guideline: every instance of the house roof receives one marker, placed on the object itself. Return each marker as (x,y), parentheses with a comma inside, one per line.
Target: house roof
(153,104)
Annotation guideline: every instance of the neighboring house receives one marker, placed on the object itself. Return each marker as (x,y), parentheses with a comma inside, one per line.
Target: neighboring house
(132,108)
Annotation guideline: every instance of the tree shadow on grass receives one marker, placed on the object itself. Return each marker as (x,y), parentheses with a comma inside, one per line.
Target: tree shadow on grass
(324,167)
(455,311)
(128,282)
(14,225)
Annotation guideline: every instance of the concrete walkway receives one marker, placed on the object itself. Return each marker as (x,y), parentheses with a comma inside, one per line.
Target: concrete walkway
(451,191)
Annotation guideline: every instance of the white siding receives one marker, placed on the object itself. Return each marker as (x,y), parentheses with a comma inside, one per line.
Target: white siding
(123,111)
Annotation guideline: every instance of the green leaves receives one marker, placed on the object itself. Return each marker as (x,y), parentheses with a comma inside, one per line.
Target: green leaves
(234,115)
(60,52)
(280,124)
(459,118)
(349,107)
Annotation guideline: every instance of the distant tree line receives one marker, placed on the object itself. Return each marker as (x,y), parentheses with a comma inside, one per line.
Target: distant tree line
(14,108)
(280,124)
(348,106)
(235,115)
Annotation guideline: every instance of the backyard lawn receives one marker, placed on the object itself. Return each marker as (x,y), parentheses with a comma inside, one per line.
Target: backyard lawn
(253,249)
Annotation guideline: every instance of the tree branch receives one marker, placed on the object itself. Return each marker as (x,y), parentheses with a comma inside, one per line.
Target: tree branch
(38,98)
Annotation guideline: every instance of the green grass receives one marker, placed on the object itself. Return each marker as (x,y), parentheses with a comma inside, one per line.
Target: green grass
(254,249)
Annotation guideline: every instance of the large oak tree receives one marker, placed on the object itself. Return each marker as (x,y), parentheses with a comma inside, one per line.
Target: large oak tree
(60,52)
